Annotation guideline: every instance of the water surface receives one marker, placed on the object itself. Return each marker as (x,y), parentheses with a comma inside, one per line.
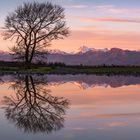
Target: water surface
(74,107)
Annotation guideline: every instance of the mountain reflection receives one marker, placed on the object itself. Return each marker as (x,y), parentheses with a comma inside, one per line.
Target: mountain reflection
(81,80)
(33,108)
(86,81)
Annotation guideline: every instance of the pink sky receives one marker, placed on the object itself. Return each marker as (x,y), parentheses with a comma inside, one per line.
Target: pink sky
(96,25)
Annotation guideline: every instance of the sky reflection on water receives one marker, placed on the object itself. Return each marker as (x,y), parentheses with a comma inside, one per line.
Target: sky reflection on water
(75,107)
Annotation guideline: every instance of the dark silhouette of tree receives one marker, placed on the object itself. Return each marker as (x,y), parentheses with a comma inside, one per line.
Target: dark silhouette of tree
(34,109)
(33,26)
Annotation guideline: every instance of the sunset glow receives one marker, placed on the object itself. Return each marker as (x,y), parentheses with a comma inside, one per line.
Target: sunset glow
(69,69)
(96,24)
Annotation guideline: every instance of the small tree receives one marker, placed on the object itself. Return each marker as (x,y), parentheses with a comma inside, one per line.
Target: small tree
(33,26)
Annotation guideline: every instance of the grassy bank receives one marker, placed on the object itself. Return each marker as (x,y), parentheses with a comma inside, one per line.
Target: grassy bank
(100,70)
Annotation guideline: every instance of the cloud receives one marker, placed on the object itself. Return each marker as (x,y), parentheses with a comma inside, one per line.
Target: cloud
(112,9)
(77,6)
(103,6)
(108,19)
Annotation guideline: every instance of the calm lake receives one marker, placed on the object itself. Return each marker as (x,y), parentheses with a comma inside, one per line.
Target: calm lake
(73,107)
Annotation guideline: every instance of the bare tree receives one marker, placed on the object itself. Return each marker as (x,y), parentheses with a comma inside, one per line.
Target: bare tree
(33,26)
(34,109)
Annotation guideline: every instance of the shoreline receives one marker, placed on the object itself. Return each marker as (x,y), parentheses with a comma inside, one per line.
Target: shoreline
(62,70)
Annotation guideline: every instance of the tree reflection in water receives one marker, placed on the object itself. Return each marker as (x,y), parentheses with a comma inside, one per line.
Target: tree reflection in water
(34,109)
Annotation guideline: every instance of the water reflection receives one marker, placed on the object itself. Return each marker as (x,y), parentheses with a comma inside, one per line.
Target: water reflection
(89,81)
(81,80)
(33,108)
(104,107)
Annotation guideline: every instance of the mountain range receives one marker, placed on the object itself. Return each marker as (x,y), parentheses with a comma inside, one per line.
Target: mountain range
(87,56)
(91,56)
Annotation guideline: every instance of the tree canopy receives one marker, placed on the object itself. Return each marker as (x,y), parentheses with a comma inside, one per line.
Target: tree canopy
(33,26)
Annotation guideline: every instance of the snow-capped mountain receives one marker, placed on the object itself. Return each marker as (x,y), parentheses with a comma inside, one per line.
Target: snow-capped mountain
(87,56)
(85,49)
(90,56)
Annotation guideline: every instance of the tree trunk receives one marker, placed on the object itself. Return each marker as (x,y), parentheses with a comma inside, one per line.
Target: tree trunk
(27,65)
